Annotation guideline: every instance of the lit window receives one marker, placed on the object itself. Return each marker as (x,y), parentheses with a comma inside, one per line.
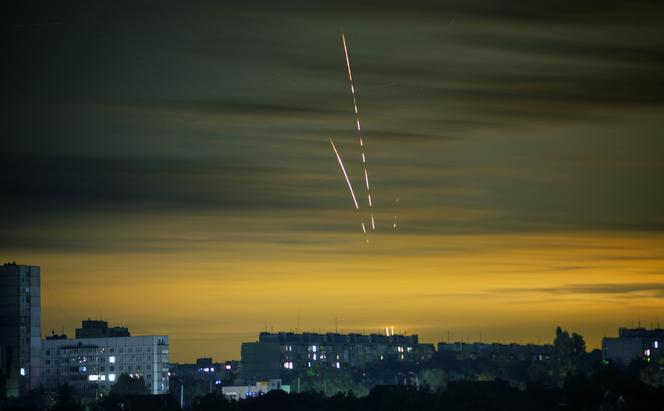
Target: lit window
(647,352)
(228,367)
(338,365)
(23,371)
(314,348)
(111,377)
(656,344)
(111,359)
(93,377)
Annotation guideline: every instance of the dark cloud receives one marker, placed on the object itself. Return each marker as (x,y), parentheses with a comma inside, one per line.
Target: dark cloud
(48,185)
(536,116)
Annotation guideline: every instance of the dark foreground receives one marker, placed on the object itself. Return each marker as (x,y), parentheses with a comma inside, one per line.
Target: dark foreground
(604,391)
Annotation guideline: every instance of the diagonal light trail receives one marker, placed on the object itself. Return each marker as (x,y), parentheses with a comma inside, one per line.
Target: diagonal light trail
(343,169)
(359,128)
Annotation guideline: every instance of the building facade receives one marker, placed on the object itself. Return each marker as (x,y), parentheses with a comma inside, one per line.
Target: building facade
(633,344)
(20,328)
(92,365)
(513,350)
(275,355)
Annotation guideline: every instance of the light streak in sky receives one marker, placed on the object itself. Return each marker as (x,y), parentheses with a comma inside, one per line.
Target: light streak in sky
(343,169)
(359,128)
(396,208)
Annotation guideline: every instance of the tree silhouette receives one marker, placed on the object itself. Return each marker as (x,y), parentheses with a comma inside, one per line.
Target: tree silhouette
(127,385)
(65,400)
(568,352)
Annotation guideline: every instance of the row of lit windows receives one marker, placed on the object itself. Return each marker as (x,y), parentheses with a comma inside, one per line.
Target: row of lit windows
(101,375)
(349,347)
(111,359)
(88,350)
(289,364)
(345,354)
(102,369)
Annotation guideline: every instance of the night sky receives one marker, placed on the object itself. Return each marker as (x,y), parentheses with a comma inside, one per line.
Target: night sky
(168,167)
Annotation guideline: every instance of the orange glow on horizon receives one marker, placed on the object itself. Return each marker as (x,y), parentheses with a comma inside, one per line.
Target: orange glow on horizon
(506,287)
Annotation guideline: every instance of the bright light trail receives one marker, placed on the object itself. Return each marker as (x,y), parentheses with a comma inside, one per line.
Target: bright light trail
(359,128)
(343,169)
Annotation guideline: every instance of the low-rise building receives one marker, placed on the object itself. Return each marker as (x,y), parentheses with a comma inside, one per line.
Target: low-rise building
(260,388)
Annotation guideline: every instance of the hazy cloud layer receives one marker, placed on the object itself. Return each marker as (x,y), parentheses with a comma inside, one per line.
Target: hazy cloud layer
(656,289)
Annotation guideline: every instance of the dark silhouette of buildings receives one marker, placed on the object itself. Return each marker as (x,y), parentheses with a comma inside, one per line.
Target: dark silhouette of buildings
(476,349)
(99,329)
(275,354)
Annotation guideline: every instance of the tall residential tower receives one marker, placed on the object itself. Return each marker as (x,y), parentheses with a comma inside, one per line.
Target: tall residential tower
(20,329)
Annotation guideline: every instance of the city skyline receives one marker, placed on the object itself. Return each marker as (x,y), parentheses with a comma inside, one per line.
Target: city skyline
(172,171)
